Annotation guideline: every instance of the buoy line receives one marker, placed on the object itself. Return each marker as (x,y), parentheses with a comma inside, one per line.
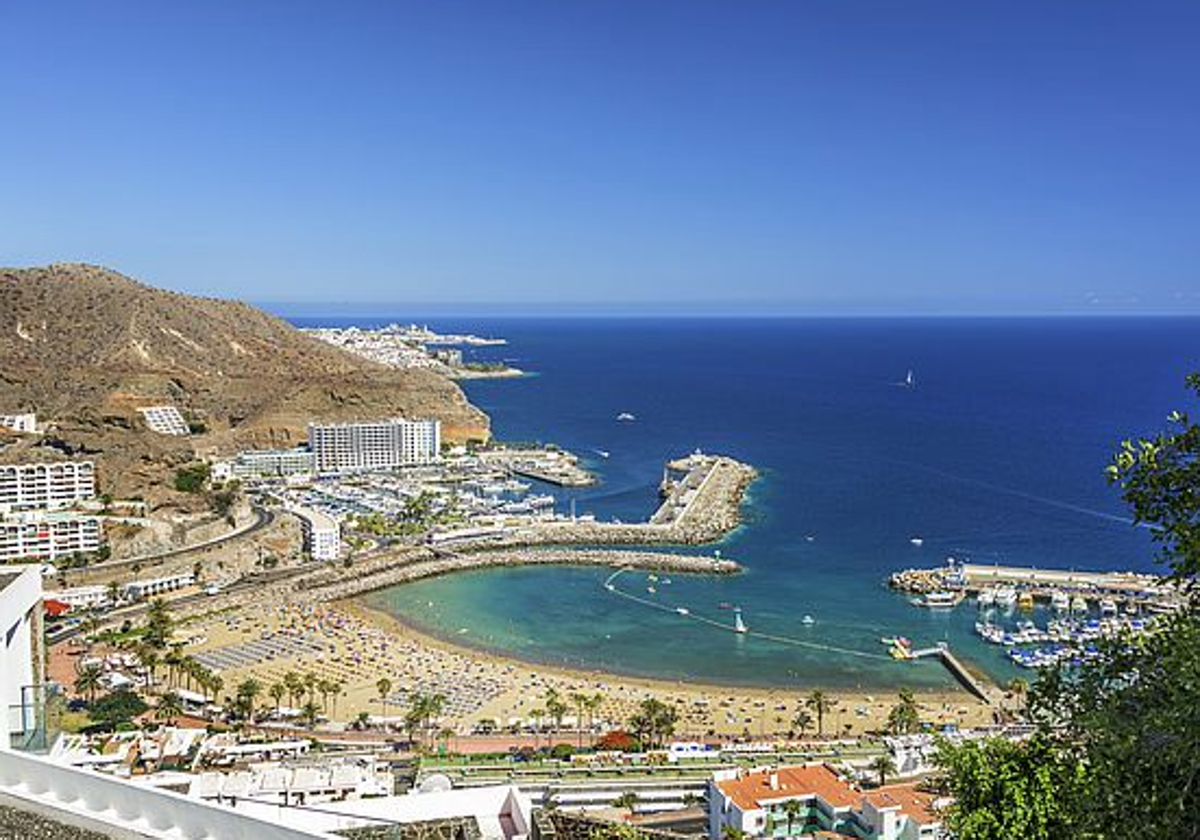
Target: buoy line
(610,585)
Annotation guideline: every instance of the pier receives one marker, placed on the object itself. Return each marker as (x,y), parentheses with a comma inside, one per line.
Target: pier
(959,671)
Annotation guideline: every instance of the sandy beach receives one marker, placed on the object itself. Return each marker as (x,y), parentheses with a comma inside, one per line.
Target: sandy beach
(353,645)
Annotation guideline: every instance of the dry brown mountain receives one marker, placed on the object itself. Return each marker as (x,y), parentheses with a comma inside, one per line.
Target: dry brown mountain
(84,347)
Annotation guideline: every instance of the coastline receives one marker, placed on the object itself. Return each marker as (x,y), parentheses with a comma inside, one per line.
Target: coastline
(862,710)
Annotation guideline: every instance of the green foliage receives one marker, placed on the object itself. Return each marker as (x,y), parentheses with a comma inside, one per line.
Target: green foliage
(562,751)
(615,831)
(1160,480)
(117,707)
(905,717)
(1004,789)
(654,721)
(159,624)
(192,478)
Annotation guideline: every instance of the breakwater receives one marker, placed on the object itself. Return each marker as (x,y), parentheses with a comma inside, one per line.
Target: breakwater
(345,583)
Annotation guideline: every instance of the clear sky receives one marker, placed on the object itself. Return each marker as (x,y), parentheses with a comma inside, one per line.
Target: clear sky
(789,155)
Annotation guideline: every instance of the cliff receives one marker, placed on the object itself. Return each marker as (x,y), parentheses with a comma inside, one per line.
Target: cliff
(84,347)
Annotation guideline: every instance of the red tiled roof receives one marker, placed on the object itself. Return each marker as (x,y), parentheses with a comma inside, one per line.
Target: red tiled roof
(915,803)
(752,789)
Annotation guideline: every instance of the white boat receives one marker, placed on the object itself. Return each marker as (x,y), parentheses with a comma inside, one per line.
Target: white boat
(1079,604)
(1061,602)
(917,541)
(986,597)
(626,417)
(1006,596)
(1108,606)
(603,453)
(739,626)
(682,610)
(651,589)
(940,600)
(808,621)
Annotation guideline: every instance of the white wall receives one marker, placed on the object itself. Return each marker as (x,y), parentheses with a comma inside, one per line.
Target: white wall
(19,601)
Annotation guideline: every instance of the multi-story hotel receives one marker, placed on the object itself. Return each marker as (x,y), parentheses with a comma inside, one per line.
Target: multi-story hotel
(45,486)
(272,463)
(41,536)
(322,533)
(379,445)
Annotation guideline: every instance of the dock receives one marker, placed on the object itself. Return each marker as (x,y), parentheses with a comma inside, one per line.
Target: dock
(959,671)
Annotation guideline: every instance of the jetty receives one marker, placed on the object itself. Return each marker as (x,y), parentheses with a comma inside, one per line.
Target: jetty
(959,671)
(335,584)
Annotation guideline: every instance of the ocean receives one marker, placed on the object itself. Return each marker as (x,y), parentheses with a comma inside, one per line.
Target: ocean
(995,455)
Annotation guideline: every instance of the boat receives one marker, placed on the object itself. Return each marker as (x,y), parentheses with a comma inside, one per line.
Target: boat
(651,589)
(1006,596)
(942,599)
(808,621)
(724,605)
(682,610)
(986,597)
(1079,604)
(1061,602)
(626,417)
(739,626)
(603,453)
(1025,601)
(917,541)
(1108,606)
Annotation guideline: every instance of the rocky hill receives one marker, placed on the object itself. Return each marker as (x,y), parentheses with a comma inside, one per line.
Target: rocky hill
(85,347)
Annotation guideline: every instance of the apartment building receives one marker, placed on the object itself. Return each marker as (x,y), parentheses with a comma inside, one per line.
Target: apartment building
(272,463)
(755,802)
(153,587)
(47,536)
(378,445)
(322,533)
(26,423)
(45,486)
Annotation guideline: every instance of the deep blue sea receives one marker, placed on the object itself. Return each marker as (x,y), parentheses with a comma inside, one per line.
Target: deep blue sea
(996,455)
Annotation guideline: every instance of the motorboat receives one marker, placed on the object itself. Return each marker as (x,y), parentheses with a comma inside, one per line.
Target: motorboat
(1079,604)
(626,417)
(1006,596)
(986,597)
(1061,602)
(808,621)
(941,599)
(1108,606)
(1025,601)
(917,541)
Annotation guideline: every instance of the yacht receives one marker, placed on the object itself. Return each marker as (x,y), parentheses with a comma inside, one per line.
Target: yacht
(917,541)
(739,626)
(1108,606)
(1061,602)
(808,621)
(986,597)
(626,417)
(1025,601)
(940,600)
(1006,596)
(1079,604)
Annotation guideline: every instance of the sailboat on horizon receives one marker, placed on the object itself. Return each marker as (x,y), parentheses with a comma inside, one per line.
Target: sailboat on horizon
(909,381)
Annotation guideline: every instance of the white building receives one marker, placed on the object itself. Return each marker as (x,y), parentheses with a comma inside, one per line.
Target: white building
(20,650)
(164,419)
(47,536)
(377,445)
(272,463)
(322,533)
(81,597)
(46,486)
(26,423)
(139,589)
(754,801)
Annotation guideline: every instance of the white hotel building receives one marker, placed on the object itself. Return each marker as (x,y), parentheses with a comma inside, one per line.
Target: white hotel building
(47,536)
(379,445)
(322,533)
(46,486)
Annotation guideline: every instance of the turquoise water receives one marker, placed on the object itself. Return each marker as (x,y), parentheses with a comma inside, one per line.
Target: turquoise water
(996,455)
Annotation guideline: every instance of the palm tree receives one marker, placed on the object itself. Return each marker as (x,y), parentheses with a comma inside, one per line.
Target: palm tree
(555,708)
(884,766)
(294,685)
(277,691)
(580,701)
(384,687)
(792,809)
(820,705)
(87,681)
(537,715)
(905,716)
(148,656)
(169,708)
(593,705)
(337,690)
(309,712)
(247,692)
(802,721)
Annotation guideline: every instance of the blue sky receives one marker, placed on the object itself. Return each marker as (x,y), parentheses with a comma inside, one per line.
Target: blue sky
(801,155)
